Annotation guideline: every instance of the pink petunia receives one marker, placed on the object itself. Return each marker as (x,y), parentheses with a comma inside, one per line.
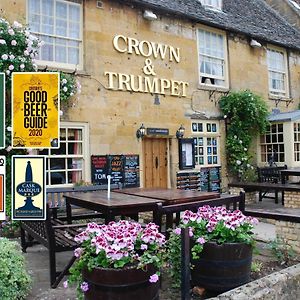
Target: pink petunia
(153,278)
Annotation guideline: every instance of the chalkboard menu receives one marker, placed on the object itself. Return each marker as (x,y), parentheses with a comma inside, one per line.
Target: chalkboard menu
(204,179)
(132,171)
(123,169)
(99,168)
(116,168)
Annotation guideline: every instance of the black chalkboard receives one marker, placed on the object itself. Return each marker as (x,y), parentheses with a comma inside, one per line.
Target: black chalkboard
(131,171)
(204,179)
(116,169)
(99,168)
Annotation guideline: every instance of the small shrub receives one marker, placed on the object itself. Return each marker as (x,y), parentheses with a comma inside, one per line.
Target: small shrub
(282,251)
(15,282)
(256,266)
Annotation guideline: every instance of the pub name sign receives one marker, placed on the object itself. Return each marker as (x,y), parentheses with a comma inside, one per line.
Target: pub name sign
(149,82)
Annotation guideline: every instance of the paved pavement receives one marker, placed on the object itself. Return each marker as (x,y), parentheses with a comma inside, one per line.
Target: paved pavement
(37,259)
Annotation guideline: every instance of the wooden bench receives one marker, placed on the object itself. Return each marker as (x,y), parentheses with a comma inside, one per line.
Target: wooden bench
(55,236)
(266,187)
(53,233)
(230,201)
(269,175)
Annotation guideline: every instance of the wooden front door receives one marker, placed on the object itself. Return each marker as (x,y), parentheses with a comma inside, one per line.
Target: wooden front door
(155,163)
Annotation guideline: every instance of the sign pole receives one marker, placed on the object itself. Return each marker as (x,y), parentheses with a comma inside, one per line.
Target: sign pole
(108,186)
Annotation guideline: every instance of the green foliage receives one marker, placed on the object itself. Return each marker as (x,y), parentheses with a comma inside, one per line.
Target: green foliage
(14,279)
(282,251)
(256,266)
(246,116)
(69,86)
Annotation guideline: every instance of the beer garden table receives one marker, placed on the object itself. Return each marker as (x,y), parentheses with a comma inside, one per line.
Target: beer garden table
(131,201)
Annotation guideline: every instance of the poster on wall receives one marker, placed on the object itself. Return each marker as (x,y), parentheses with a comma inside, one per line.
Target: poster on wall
(116,169)
(2,110)
(35,110)
(28,187)
(186,154)
(99,168)
(2,188)
(131,171)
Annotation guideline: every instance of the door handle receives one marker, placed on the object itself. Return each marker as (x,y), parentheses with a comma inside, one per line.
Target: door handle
(156,162)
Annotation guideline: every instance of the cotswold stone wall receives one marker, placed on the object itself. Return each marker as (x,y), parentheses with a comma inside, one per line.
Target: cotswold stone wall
(250,197)
(292,199)
(290,233)
(283,285)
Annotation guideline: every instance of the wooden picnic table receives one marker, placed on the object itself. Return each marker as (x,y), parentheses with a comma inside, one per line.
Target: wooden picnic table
(132,201)
(289,172)
(118,204)
(169,196)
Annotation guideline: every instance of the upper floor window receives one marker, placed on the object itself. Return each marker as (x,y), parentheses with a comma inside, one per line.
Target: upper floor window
(215,4)
(206,141)
(212,58)
(277,67)
(59,24)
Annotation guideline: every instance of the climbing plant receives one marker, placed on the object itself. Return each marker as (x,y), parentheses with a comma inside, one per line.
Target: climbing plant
(245,114)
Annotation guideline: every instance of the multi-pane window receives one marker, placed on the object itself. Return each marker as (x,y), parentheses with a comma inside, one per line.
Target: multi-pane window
(58,23)
(206,141)
(272,144)
(215,4)
(66,164)
(212,58)
(277,68)
(297,141)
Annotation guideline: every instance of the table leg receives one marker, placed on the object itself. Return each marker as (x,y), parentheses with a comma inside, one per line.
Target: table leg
(109,216)
(69,212)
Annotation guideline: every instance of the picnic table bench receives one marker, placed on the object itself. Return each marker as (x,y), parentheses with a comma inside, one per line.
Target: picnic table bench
(263,187)
(54,233)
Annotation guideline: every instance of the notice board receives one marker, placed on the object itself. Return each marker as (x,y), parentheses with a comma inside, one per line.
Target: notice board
(99,168)
(131,171)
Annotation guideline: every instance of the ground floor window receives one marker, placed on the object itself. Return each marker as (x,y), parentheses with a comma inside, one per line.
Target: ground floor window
(297,141)
(272,144)
(67,164)
(206,141)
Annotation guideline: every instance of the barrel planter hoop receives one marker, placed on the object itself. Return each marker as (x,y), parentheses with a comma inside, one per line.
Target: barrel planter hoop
(222,267)
(121,284)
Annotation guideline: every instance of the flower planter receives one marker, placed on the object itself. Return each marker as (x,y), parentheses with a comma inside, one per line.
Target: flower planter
(121,284)
(222,267)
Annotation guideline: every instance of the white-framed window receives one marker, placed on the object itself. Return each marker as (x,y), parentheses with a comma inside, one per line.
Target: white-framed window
(206,141)
(278,73)
(297,141)
(212,57)
(272,144)
(59,24)
(68,164)
(214,4)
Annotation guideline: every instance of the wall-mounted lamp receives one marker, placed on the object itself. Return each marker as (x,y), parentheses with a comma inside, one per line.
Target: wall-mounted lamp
(180,132)
(140,133)
(255,44)
(149,15)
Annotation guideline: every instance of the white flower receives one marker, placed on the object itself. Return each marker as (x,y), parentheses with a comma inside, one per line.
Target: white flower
(8,148)
(238,162)
(27,33)
(26,53)
(35,67)
(71,94)
(241,141)
(11,56)
(64,81)
(225,116)
(11,67)
(4,56)
(248,165)
(2,42)
(32,55)
(14,43)
(8,128)
(61,113)
(22,66)
(7,72)
(11,31)
(245,149)
(235,136)
(17,24)
(65,89)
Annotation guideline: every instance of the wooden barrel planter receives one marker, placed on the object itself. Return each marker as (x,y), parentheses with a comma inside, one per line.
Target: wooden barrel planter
(121,284)
(222,267)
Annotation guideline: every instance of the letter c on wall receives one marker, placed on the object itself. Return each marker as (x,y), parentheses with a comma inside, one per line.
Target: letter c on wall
(116,43)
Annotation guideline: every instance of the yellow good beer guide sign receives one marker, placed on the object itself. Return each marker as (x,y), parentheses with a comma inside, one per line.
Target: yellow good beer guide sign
(35,110)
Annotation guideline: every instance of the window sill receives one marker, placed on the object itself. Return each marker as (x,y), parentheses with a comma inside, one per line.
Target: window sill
(283,98)
(213,88)
(65,70)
